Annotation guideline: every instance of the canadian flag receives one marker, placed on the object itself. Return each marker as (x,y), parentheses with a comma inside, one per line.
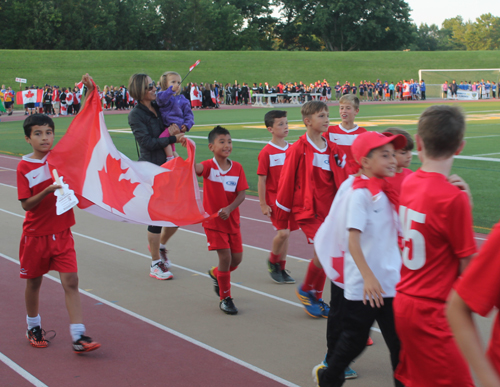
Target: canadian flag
(29,96)
(196,97)
(191,68)
(69,98)
(109,184)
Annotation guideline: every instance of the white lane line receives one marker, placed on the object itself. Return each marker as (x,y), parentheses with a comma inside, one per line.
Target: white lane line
(487,154)
(8,169)
(10,157)
(127,130)
(173,332)
(491,135)
(474,158)
(256,220)
(15,367)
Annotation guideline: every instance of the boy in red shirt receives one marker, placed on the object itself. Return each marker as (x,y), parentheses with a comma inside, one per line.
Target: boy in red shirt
(314,169)
(46,243)
(271,160)
(438,240)
(478,291)
(346,132)
(224,185)
(403,157)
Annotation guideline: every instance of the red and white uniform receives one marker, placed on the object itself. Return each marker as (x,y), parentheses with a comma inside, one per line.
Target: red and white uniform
(480,288)
(397,180)
(271,160)
(220,189)
(46,242)
(78,97)
(33,176)
(344,137)
(437,227)
(309,181)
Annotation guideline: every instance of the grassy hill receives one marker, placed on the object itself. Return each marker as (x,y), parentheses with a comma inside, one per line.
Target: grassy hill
(115,67)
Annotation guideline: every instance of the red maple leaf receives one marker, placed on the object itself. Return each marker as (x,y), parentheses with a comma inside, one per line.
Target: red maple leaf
(195,93)
(115,192)
(29,94)
(338,266)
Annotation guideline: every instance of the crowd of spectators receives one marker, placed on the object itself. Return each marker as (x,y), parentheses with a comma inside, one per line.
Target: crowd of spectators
(66,101)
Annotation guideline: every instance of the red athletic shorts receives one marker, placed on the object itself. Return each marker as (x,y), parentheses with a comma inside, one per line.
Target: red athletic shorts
(38,255)
(429,354)
(292,224)
(218,240)
(310,228)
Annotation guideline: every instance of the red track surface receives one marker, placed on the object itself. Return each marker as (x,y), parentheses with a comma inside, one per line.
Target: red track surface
(128,344)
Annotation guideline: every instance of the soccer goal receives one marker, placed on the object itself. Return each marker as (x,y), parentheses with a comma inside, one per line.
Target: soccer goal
(434,78)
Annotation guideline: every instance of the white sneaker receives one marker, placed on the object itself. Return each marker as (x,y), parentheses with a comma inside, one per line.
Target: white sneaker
(164,258)
(160,271)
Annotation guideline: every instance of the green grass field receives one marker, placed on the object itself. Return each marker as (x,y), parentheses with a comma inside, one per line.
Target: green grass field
(483,140)
(64,68)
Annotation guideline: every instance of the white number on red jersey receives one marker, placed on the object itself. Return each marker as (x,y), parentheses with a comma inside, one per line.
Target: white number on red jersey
(414,241)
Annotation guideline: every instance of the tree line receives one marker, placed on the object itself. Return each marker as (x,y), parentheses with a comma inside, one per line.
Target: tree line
(331,25)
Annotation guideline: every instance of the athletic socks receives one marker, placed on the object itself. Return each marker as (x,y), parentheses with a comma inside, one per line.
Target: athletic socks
(224,279)
(162,246)
(274,258)
(155,262)
(33,322)
(76,330)
(312,277)
(282,265)
(320,284)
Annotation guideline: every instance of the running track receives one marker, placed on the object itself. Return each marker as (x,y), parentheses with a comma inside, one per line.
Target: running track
(133,351)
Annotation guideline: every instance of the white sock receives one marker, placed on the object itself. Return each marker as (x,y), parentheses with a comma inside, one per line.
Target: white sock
(155,262)
(76,330)
(33,321)
(162,246)
(170,158)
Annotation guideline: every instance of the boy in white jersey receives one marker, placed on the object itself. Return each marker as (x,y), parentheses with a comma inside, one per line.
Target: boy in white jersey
(271,161)
(370,261)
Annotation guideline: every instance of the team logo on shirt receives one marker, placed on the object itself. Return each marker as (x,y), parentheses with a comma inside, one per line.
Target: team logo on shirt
(24,271)
(230,182)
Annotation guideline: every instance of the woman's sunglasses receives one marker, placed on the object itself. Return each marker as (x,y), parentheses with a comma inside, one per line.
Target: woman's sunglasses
(151,86)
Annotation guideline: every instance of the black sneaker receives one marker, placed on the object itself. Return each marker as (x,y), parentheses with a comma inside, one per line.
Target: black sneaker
(227,306)
(36,337)
(286,277)
(214,278)
(275,272)
(85,344)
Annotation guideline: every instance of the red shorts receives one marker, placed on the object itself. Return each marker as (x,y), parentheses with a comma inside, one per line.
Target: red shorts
(310,228)
(38,255)
(292,224)
(218,240)
(429,354)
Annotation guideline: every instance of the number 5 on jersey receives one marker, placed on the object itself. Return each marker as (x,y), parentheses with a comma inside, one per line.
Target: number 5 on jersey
(414,241)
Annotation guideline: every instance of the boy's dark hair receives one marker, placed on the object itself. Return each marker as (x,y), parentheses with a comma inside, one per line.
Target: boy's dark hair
(36,120)
(217,131)
(409,140)
(272,115)
(441,129)
(312,107)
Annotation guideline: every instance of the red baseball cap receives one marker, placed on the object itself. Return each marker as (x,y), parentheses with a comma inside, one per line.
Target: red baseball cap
(367,141)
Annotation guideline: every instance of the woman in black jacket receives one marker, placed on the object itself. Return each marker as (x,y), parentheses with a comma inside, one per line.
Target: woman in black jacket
(146,123)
